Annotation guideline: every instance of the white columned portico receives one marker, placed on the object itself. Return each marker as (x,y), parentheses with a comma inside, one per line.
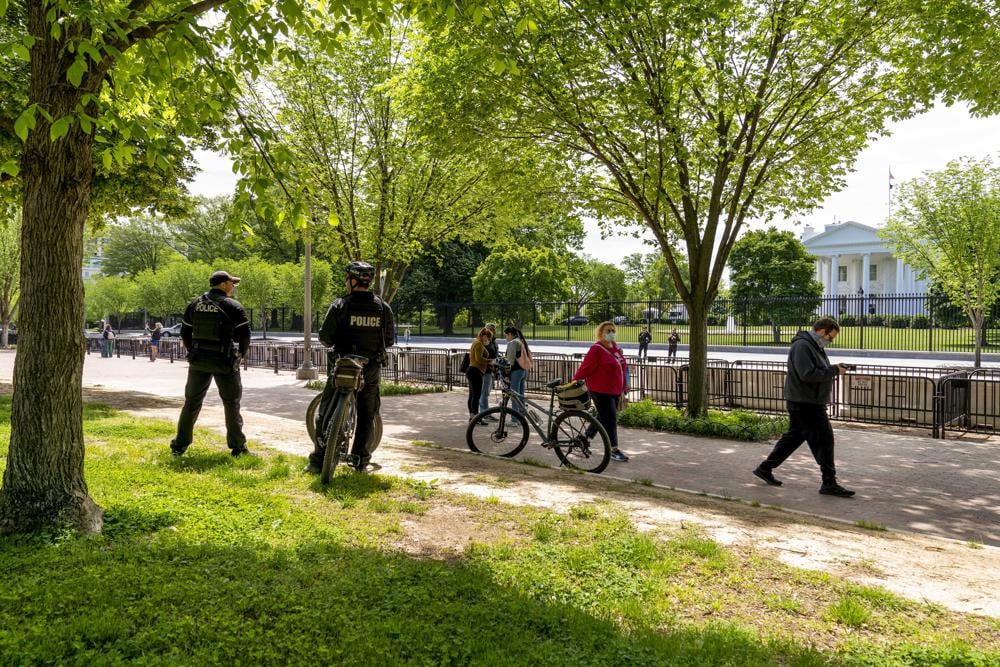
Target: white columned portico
(899,276)
(834,274)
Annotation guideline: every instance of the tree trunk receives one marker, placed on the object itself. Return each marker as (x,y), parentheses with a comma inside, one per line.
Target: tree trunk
(697,360)
(978,320)
(44,485)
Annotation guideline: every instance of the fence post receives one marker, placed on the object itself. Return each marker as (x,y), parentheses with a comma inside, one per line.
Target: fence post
(534,320)
(861,338)
(930,324)
(274,353)
(447,369)
(172,349)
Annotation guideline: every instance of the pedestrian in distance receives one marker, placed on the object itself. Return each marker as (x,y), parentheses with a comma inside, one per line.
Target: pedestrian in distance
(478,363)
(645,338)
(672,344)
(807,391)
(493,352)
(216,334)
(359,323)
(606,373)
(155,334)
(518,355)
(107,341)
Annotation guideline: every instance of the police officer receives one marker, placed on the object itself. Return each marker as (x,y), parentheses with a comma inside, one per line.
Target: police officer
(216,333)
(362,324)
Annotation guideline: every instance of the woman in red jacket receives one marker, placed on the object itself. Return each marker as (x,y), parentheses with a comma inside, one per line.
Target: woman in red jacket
(606,371)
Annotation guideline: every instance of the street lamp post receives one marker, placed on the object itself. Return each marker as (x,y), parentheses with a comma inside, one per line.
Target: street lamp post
(307,371)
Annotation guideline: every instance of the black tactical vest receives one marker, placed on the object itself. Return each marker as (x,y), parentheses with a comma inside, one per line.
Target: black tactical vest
(359,330)
(212,328)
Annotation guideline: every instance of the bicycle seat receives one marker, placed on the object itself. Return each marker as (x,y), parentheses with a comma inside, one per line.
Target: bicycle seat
(554,383)
(355,357)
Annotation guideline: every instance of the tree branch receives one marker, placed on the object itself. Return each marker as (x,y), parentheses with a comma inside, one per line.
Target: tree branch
(154,28)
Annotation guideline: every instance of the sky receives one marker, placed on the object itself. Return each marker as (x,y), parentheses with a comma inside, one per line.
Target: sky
(925,142)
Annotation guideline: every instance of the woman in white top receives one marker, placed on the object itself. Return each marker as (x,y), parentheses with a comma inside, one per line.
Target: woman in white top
(518,354)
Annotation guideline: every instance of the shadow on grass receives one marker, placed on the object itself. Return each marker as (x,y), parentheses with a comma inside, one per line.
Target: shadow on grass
(348,486)
(315,603)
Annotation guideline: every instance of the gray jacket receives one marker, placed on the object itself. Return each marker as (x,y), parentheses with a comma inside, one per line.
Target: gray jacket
(810,374)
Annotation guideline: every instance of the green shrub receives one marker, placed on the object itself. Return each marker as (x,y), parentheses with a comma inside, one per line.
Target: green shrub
(390,388)
(848,321)
(920,322)
(875,320)
(734,425)
(899,322)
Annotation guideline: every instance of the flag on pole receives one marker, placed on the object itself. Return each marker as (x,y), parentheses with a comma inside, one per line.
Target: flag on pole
(892,179)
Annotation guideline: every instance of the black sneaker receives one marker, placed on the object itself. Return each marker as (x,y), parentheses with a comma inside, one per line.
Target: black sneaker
(618,455)
(175,451)
(835,490)
(242,451)
(311,469)
(767,476)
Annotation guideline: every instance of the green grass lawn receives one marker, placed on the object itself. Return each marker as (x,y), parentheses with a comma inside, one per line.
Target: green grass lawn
(209,560)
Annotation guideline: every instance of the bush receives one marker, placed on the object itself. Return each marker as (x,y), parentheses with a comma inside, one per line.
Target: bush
(734,425)
(899,322)
(875,320)
(920,322)
(848,321)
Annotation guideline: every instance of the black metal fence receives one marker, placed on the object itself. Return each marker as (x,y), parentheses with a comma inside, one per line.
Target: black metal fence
(920,322)
(938,399)
(925,322)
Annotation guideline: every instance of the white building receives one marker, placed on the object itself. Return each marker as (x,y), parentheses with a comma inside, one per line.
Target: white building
(852,260)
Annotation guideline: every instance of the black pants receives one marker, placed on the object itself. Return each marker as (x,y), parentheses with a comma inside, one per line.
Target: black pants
(807,423)
(607,414)
(230,391)
(369,401)
(672,350)
(643,350)
(475,389)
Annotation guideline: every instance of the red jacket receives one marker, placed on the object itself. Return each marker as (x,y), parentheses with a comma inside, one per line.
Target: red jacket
(604,370)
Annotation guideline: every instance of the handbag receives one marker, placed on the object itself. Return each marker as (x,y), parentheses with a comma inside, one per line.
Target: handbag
(464,365)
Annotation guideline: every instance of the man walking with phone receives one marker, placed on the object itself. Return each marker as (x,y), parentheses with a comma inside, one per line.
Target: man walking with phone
(807,392)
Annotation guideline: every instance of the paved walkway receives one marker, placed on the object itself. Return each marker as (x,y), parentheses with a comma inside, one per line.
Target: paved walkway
(948,488)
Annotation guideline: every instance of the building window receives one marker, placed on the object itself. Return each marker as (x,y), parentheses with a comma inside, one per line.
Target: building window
(873,272)
(842,274)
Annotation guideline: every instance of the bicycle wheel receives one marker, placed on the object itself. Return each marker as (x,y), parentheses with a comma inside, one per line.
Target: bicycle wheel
(574,447)
(336,438)
(504,437)
(312,418)
(375,434)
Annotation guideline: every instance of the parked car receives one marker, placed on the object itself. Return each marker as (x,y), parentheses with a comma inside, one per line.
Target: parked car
(574,321)
(172,331)
(620,319)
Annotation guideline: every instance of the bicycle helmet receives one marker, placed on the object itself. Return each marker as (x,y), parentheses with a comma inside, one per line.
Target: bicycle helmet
(362,273)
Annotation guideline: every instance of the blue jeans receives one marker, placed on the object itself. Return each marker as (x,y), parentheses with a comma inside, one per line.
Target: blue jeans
(484,398)
(517,382)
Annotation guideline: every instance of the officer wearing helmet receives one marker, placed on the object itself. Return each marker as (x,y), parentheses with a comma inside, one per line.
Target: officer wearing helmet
(216,333)
(359,323)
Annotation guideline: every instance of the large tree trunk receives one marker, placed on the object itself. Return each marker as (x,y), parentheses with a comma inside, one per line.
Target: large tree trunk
(44,485)
(698,359)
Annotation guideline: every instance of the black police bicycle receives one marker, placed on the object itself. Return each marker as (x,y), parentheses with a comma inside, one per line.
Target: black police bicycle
(578,439)
(337,431)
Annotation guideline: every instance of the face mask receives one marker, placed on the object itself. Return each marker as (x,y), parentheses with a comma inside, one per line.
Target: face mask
(822,342)
(610,336)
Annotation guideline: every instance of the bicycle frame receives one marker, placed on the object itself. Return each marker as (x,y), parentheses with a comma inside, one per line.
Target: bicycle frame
(522,404)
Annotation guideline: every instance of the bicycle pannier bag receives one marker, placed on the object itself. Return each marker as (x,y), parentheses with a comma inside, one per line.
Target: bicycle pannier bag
(464,366)
(573,396)
(348,374)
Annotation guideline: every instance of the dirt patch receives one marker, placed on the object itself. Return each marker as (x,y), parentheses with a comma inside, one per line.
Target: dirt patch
(443,532)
